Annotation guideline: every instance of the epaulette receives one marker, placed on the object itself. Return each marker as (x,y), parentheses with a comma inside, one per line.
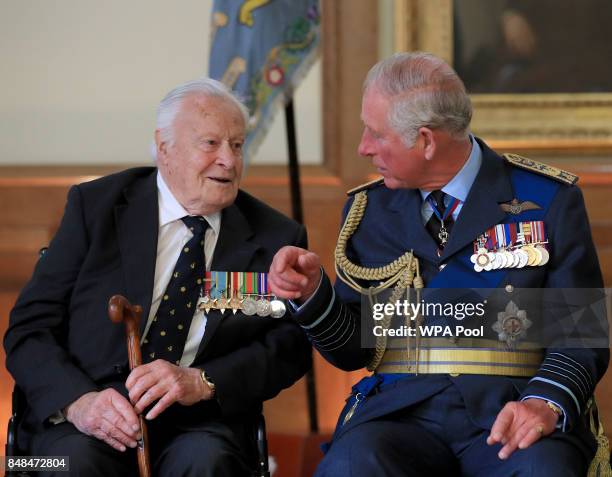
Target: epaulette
(367,185)
(542,169)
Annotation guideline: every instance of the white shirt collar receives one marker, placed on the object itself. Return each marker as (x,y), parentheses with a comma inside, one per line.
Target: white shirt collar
(170,210)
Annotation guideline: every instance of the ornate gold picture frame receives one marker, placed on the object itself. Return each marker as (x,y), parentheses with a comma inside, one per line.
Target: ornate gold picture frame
(548,123)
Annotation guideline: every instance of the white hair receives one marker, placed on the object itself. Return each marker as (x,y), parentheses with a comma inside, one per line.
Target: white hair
(169,106)
(425,92)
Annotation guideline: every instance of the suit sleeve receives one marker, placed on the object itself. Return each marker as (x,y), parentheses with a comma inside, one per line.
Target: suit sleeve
(259,371)
(568,376)
(34,341)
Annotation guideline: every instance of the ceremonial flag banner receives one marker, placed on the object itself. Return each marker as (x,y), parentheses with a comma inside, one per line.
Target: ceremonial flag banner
(262,49)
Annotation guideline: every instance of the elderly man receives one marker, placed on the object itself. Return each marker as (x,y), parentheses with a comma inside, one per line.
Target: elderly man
(449,408)
(151,234)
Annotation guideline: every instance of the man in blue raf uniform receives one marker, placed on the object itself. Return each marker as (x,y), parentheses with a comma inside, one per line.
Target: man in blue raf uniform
(472,219)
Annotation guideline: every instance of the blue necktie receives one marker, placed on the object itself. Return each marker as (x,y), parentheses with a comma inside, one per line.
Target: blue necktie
(168,331)
(434,224)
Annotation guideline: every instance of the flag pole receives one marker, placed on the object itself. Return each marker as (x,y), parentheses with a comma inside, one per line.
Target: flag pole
(297,214)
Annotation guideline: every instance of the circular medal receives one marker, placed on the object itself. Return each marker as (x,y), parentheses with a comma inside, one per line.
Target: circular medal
(277,309)
(515,260)
(523,257)
(503,259)
(263,307)
(482,260)
(538,256)
(249,306)
(496,264)
(509,259)
(531,255)
(545,255)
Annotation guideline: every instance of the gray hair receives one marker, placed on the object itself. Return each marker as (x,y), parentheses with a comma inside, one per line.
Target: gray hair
(426,92)
(169,106)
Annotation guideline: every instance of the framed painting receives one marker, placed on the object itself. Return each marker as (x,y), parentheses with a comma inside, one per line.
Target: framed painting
(538,72)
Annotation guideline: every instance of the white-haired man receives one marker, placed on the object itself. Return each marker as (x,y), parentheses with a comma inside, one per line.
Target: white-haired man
(151,234)
(476,220)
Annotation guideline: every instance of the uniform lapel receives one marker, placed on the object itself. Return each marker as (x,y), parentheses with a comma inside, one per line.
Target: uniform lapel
(406,203)
(137,227)
(481,209)
(233,253)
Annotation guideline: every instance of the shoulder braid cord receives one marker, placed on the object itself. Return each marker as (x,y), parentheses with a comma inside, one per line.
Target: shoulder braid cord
(402,272)
(600,465)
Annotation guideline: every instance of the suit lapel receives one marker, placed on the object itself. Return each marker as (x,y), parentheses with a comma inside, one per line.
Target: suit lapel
(233,253)
(137,229)
(481,209)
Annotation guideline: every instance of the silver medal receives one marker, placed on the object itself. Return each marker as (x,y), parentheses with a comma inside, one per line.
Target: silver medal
(277,309)
(249,306)
(263,307)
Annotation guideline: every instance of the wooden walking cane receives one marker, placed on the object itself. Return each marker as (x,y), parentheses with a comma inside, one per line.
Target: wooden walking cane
(121,310)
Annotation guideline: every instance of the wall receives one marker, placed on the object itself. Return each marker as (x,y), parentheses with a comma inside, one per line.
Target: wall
(82,78)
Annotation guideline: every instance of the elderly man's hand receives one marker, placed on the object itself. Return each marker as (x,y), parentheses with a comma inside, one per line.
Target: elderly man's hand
(106,415)
(520,424)
(165,383)
(294,274)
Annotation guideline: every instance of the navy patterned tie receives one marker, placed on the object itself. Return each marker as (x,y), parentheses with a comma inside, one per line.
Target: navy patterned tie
(434,224)
(168,331)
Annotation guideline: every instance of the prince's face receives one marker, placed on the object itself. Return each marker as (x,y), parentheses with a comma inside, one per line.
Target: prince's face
(400,165)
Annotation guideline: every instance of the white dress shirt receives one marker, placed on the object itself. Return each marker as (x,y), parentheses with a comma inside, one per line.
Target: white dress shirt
(173,234)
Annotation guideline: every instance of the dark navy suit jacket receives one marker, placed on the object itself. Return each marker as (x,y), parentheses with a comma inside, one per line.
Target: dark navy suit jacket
(61,344)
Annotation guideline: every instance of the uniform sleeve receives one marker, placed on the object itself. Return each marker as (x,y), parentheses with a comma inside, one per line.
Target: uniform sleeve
(568,376)
(332,320)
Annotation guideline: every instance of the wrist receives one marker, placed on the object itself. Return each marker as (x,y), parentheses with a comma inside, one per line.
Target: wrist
(555,409)
(209,386)
(68,411)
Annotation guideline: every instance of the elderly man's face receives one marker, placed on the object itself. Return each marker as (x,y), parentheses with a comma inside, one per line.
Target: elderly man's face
(401,166)
(202,165)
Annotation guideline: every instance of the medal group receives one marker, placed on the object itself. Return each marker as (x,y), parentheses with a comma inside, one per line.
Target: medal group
(513,245)
(239,291)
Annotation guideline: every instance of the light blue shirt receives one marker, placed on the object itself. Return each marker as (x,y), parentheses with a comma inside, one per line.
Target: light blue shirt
(459,186)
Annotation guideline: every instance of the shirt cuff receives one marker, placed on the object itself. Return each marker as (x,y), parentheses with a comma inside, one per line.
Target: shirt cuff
(560,425)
